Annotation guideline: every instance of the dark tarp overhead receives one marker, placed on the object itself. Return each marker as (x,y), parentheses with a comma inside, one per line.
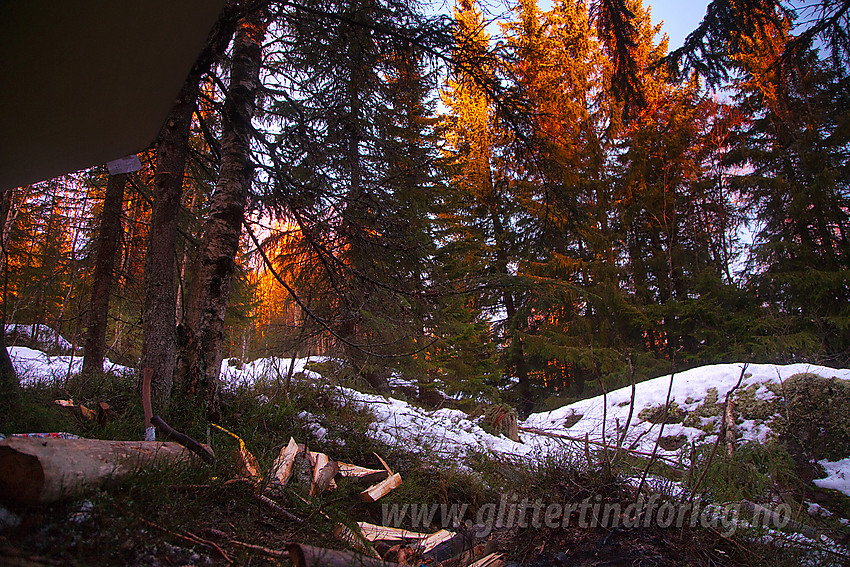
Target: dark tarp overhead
(84,82)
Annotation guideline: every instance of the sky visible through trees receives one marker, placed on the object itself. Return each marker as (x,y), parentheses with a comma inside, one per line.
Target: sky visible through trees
(540,202)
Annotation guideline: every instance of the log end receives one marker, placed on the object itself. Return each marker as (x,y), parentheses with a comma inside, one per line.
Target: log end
(22,480)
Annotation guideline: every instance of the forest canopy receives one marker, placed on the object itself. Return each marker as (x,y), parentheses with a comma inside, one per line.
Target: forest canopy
(544,203)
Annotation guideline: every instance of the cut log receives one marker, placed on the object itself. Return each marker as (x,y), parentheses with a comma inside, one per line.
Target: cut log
(282,467)
(48,469)
(308,556)
(362,473)
(373,532)
(373,493)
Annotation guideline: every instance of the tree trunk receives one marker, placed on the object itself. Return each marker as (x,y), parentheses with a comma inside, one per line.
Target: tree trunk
(107,247)
(160,304)
(200,362)
(9,384)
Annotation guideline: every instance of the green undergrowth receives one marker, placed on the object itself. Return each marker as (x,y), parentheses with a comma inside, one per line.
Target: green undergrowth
(157,517)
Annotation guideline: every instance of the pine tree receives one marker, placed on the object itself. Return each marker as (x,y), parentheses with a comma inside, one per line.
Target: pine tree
(795,146)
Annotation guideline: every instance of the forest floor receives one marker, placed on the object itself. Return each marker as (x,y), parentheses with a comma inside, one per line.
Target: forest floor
(666,489)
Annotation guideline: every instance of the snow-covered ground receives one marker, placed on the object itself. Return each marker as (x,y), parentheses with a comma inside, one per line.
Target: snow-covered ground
(450,432)
(35,366)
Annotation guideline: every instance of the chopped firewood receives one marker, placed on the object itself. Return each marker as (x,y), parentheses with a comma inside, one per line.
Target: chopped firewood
(85,412)
(319,461)
(492,560)
(354,539)
(471,554)
(384,533)
(434,540)
(373,493)
(383,462)
(362,473)
(282,467)
(103,413)
(308,556)
(323,478)
(463,540)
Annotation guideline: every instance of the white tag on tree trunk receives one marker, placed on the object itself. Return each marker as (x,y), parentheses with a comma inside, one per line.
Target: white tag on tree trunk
(124,165)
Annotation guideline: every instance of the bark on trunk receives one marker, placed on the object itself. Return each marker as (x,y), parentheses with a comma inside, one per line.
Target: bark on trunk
(158,316)
(201,358)
(160,305)
(107,247)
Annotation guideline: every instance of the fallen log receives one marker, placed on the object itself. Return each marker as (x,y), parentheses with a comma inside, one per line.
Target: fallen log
(308,556)
(48,469)
(373,493)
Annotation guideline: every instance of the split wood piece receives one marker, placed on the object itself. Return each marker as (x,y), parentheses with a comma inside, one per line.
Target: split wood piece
(357,539)
(463,540)
(373,493)
(324,471)
(283,465)
(492,560)
(373,532)
(434,540)
(173,435)
(85,412)
(48,469)
(308,556)
(383,462)
(362,473)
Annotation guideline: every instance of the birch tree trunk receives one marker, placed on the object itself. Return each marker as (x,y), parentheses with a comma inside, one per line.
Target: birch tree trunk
(200,360)
(107,247)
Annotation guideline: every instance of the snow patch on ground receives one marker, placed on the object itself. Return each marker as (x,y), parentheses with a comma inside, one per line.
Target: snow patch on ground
(689,391)
(33,366)
(837,476)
